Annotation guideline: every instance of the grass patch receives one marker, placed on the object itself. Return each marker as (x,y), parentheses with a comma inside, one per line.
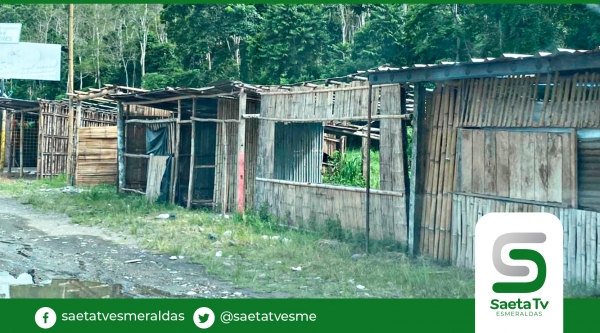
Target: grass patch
(248,259)
(347,171)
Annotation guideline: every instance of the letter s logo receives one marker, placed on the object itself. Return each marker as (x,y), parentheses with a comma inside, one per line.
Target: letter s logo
(519,254)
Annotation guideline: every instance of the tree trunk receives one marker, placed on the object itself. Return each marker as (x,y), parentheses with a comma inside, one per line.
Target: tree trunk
(343,22)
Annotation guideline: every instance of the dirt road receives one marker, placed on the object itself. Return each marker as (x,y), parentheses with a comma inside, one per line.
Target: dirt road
(54,248)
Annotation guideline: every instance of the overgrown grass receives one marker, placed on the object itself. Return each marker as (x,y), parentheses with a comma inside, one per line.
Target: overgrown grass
(347,171)
(249,260)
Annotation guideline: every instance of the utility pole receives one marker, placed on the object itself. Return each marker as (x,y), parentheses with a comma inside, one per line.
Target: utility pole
(71,28)
(70,91)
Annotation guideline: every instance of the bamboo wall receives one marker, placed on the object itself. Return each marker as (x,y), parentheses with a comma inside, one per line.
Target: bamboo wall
(536,166)
(302,205)
(54,137)
(325,103)
(226,154)
(53,146)
(581,230)
(96,156)
(517,101)
(572,101)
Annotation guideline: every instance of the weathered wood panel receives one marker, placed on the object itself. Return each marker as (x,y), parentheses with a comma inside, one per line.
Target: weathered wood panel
(96,156)
(321,204)
(518,165)
(580,234)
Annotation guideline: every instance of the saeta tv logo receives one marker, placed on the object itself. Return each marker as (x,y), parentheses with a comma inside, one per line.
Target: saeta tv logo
(519,254)
(518,273)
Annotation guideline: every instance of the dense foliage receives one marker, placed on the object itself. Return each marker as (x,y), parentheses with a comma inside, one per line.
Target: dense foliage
(191,45)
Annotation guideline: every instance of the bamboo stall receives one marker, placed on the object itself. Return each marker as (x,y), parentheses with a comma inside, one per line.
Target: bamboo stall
(519,133)
(210,147)
(289,183)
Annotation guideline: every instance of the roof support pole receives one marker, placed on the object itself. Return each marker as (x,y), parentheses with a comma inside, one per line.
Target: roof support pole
(416,169)
(368,176)
(241,152)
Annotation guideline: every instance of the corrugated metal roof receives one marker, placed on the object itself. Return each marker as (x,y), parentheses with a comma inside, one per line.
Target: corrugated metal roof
(18,104)
(504,57)
(167,98)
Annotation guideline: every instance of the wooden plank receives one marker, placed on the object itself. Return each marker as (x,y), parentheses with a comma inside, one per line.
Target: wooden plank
(466,160)
(478,178)
(541,167)
(566,153)
(515,158)
(555,162)
(528,172)
(490,170)
(503,171)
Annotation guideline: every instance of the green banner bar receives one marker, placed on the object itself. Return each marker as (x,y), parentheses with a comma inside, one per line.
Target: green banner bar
(298,315)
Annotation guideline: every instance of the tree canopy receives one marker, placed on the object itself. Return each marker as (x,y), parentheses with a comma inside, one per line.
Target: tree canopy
(154,46)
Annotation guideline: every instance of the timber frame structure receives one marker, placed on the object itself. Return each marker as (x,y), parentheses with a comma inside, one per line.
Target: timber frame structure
(289,183)
(210,149)
(519,133)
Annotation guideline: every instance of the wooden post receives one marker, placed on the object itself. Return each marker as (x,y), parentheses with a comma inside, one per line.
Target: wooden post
(9,144)
(574,163)
(404,133)
(417,172)
(368,166)
(70,140)
(364,156)
(120,147)
(343,146)
(224,168)
(79,122)
(192,158)
(3,140)
(21,141)
(175,164)
(241,152)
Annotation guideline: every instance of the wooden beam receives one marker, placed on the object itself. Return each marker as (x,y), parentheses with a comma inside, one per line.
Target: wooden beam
(331,187)
(176,98)
(175,165)
(151,121)
(204,120)
(224,168)
(416,170)
(120,148)
(192,159)
(9,146)
(76,143)
(241,141)
(137,155)
(317,120)
(3,140)
(21,141)
(368,177)
(70,140)
(574,169)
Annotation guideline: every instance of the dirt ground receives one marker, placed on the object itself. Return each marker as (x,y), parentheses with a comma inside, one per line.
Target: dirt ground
(54,248)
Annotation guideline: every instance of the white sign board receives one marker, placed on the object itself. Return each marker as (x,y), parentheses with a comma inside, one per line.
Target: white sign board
(10,33)
(30,61)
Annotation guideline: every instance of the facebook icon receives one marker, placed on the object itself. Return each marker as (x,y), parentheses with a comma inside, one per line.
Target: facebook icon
(45,317)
